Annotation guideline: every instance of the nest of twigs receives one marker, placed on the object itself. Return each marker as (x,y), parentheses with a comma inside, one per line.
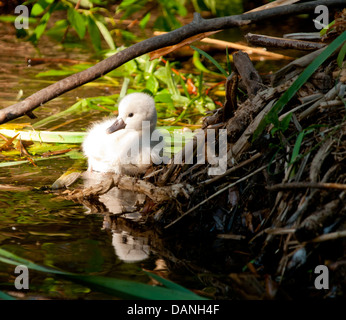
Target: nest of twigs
(289,210)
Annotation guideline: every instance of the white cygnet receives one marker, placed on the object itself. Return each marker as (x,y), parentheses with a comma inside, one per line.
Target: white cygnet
(115,145)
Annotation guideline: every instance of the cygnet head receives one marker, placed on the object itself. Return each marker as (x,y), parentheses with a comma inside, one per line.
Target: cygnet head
(133,110)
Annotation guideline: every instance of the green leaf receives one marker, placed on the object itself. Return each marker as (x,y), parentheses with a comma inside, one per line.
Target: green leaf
(54,73)
(77,21)
(324,30)
(211,59)
(164,97)
(58,30)
(40,6)
(5,296)
(12,19)
(37,9)
(94,33)
(341,56)
(106,35)
(297,145)
(134,290)
(144,21)
(10,258)
(13,163)
(41,27)
(284,123)
(124,88)
(79,107)
(273,114)
(152,84)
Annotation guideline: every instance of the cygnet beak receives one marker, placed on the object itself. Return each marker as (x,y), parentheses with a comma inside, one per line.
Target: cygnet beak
(117,125)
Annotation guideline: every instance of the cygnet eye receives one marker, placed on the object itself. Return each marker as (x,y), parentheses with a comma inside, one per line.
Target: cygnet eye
(130,115)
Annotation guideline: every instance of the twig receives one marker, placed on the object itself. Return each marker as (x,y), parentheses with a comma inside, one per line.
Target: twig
(216,194)
(8,187)
(314,224)
(330,95)
(231,170)
(274,4)
(198,25)
(249,75)
(279,231)
(304,185)
(328,236)
(274,42)
(219,43)
(157,194)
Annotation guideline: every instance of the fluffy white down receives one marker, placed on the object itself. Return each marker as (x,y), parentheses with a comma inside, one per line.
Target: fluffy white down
(106,152)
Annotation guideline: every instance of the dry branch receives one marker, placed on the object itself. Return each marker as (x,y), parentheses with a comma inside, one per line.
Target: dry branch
(217,43)
(275,42)
(157,194)
(215,194)
(248,73)
(306,185)
(313,225)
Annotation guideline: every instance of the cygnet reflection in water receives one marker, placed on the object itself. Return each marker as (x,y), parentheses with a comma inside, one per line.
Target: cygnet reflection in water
(129,248)
(115,200)
(116,145)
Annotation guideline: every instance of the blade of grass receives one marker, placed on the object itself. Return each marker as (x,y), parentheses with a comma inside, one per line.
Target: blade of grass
(341,56)
(228,62)
(124,88)
(297,145)
(5,296)
(199,65)
(106,35)
(211,59)
(18,162)
(46,136)
(79,107)
(134,290)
